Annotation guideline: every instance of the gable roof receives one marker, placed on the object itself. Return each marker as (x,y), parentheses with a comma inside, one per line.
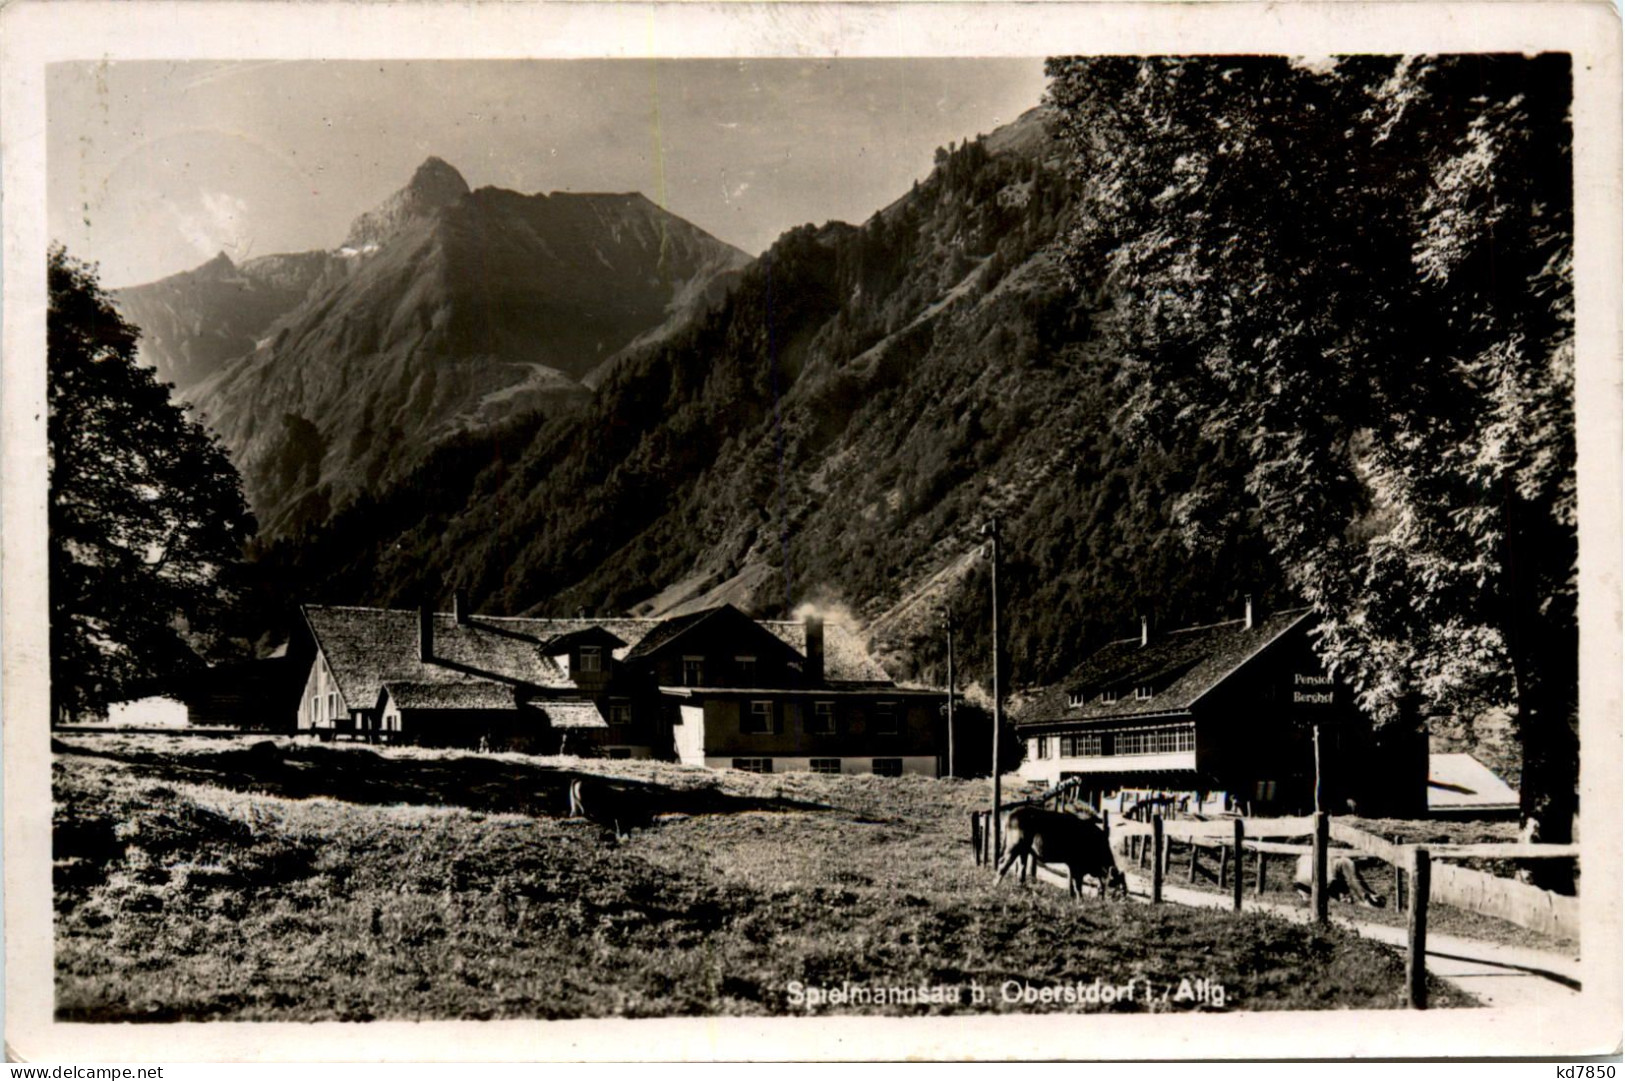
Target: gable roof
(1181,666)
(586,636)
(1460,783)
(369,647)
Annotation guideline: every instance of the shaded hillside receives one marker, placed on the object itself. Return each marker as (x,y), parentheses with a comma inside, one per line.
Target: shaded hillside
(448,311)
(192,323)
(836,432)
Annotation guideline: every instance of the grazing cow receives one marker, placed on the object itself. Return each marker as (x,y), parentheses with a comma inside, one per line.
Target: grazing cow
(618,806)
(1342,880)
(1056,837)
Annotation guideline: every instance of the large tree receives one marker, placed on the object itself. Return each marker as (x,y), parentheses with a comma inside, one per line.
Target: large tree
(146,518)
(1359,273)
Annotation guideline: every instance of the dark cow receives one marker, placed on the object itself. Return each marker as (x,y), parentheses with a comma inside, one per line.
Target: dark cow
(1343,880)
(1056,837)
(618,806)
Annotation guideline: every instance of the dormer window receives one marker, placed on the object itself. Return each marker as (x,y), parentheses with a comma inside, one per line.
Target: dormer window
(1108,696)
(1143,691)
(1074,700)
(693,671)
(592,659)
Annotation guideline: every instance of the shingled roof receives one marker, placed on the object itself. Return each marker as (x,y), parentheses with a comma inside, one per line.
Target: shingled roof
(369,647)
(1181,666)
(464,694)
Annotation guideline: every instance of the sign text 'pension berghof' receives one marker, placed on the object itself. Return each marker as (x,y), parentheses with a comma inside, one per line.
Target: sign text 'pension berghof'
(1311,690)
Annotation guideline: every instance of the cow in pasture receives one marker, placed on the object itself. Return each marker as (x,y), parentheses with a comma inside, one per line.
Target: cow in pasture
(1056,837)
(618,806)
(1342,880)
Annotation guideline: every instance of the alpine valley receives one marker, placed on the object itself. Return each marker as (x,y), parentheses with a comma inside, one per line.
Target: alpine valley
(576,401)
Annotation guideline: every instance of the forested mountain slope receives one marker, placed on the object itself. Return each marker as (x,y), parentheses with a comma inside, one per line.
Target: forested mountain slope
(835,433)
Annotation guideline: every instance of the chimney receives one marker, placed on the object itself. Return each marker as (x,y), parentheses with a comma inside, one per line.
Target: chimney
(815,649)
(425,632)
(1247,620)
(460,608)
(1145,631)
(581,612)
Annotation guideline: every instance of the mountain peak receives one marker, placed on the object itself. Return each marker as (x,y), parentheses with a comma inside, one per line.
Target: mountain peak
(437,183)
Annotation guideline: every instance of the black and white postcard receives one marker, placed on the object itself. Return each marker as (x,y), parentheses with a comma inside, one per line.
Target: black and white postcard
(830,531)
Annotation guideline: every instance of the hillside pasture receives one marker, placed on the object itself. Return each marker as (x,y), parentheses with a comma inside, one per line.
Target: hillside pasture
(197,881)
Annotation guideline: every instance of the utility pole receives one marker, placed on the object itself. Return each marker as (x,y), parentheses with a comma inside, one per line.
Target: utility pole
(991,531)
(948,625)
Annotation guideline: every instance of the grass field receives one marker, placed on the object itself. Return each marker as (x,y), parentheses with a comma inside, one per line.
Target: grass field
(202,879)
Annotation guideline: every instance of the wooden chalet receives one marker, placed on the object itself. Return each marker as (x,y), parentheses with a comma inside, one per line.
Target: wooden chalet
(713,688)
(1218,717)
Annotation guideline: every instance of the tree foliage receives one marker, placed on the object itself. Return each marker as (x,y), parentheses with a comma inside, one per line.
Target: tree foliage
(146,513)
(1359,276)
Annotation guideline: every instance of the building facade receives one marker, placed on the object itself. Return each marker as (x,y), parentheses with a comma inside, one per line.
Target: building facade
(713,688)
(1232,715)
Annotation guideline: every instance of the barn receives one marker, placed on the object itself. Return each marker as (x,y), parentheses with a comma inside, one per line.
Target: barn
(1221,716)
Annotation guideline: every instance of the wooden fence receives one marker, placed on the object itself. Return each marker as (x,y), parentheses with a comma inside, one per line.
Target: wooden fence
(1417,877)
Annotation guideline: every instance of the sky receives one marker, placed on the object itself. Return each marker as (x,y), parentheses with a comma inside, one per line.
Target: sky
(156,166)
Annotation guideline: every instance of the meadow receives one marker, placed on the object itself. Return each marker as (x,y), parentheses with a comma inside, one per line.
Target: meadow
(208,879)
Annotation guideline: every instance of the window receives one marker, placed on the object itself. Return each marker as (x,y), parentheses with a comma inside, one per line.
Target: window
(1088,745)
(1143,691)
(759,717)
(1157,741)
(886,718)
(333,705)
(745,669)
(754,765)
(592,659)
(620,713)
(1074,700)
(825,765)
(887,767)
(693,671)
(822,722)
(1041,747)
(1108,696)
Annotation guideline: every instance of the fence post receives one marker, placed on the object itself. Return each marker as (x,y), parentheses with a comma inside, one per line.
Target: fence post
(976,837)
(1156,859)
(1399,879)
(1224,865)
(1235,886)
(1195,849)
(1259,888)
(1416,972)
(1317,894)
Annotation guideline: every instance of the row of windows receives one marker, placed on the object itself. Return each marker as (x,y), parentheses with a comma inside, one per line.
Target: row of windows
(1105,744)
(880,767)
(744,671)
(758,718)
(1144,691)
